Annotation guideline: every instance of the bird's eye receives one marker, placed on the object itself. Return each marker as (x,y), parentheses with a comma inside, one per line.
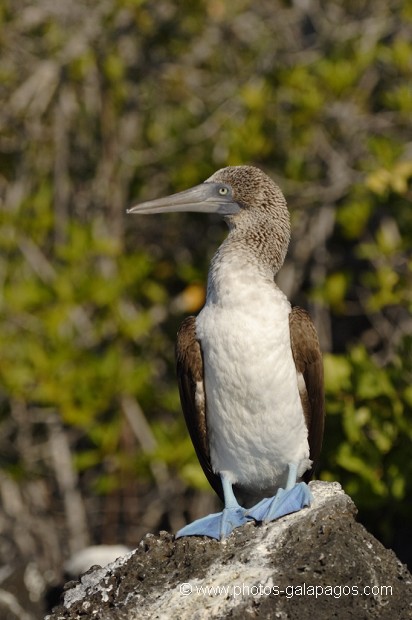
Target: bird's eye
(223,191)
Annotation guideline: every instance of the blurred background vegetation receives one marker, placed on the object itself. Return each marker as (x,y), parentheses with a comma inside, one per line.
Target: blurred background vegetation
(107,103)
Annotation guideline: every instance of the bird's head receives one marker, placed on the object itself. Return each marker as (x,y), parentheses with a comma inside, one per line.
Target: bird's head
(250,202)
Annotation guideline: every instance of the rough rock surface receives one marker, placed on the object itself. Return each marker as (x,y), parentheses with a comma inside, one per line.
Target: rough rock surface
(317,563)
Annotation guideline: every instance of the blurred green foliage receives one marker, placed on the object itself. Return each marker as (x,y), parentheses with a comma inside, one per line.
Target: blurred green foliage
(105,103)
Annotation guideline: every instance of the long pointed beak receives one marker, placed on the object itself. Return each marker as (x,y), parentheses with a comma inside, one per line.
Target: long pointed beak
(207,197)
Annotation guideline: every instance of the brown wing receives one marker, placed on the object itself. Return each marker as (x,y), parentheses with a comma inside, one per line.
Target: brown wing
(308,360)
(189,366)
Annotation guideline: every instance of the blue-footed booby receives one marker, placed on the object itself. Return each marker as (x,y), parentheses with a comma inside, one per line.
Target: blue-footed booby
(249,366)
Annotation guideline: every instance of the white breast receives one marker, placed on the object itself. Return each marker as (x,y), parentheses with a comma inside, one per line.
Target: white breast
(254,413)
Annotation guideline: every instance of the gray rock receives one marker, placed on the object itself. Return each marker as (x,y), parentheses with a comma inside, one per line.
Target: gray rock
(317,563)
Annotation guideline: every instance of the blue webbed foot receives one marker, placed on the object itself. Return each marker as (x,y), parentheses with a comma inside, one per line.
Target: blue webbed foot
(284,502)
(218,525)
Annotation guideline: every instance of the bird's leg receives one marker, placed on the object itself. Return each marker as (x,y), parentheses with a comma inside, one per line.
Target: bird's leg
(220,524)
(292,498)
